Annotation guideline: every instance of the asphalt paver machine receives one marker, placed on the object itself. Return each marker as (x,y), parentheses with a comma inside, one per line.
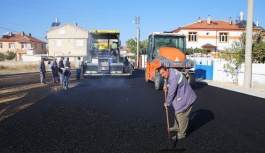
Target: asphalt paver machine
(104,56)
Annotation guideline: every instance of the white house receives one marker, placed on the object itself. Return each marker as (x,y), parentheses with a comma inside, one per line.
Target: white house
(214,35)
(68,40)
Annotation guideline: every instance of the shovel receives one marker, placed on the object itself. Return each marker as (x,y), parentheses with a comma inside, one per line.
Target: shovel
(168,131)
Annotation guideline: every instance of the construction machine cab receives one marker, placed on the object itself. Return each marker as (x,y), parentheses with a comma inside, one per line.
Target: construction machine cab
(167,49)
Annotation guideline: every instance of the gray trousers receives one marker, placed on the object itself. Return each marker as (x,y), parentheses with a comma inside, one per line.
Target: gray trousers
(181,122)
(55,75)
(61,78)
(42,77)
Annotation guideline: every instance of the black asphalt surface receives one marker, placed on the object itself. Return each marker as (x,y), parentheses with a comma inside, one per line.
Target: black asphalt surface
(121,114)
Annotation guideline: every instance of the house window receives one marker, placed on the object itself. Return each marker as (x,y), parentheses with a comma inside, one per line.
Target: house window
(24,45)
(62,31)
(192,36)
(79,42)
(223,37)
(11,45)
(58,43)
(1,46)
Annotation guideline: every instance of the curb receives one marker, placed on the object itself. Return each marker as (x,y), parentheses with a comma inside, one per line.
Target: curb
(257,92)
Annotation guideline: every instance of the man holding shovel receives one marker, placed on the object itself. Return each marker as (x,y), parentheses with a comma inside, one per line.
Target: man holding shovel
(180,95)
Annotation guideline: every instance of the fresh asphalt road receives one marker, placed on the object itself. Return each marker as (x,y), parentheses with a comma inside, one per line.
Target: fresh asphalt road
(120,114)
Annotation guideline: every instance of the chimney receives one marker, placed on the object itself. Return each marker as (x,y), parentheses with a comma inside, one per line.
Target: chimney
(10,34)
(209,19)
(56,20)
(30,34)
(257,23)
(230,20)
(199,20)
(241,16)
(22,34)
(75,24)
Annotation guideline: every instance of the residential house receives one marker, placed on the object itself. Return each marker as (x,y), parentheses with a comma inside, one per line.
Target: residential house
(68,40)
(124,51)
(214,35)
(21,44)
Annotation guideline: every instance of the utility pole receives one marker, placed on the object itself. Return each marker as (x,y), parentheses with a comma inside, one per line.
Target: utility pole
(248,54)
(137,21)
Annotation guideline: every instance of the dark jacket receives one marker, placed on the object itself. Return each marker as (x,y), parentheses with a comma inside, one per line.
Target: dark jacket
(67,64)
(42,67)
(54,66)
(61,65)
(66,71)
(126,62)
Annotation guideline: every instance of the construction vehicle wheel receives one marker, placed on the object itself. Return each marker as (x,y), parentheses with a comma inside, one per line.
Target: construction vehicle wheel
(191,80)
(159,81)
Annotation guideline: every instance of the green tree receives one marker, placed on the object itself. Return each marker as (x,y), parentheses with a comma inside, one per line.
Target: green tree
(200,50)
(235,54)
(235,57)
(9,55)
(189,51)
(258,50)
(132,45)
(143,45)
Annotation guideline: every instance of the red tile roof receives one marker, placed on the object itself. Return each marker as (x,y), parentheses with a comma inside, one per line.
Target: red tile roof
(215,24)
(208,46)
(124,48)
(20,38)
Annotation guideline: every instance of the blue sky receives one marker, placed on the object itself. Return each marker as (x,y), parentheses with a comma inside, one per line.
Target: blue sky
(35,17)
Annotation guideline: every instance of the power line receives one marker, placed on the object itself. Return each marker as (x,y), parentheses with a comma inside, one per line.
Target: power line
(8,29)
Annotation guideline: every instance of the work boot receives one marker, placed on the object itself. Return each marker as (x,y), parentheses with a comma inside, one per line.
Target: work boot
(173,129)
(174,138)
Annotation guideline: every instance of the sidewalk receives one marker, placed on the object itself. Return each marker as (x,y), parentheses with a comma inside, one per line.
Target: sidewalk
(257,92)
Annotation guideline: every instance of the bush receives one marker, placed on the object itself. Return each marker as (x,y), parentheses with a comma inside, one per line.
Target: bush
(2,56)
(9,55)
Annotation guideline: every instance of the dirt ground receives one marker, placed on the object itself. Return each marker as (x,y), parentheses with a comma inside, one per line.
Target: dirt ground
(19,91)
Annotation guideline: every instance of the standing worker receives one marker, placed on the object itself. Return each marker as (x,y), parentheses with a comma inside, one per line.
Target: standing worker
(66,74)
(42,71)
(67,63)
(181,96)
(54,68)
(61,65)
(78,66)
(126,62)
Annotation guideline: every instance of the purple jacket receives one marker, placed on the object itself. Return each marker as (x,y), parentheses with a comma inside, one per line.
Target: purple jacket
(181,95)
